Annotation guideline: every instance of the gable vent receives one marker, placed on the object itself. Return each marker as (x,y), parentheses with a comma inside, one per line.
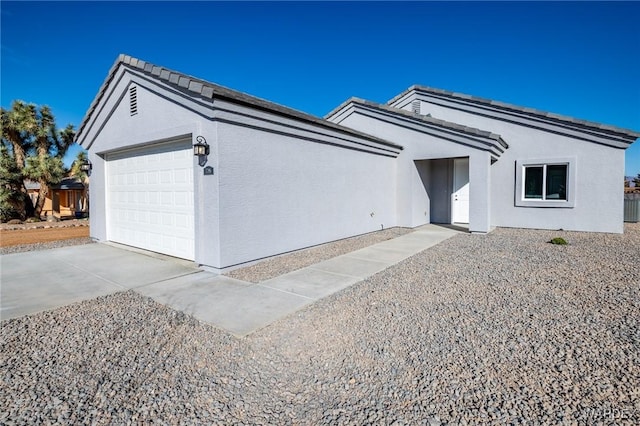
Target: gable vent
(415,107)
(133,100)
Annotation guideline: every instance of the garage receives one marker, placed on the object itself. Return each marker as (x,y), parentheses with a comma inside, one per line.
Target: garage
(150,198)
(197,171)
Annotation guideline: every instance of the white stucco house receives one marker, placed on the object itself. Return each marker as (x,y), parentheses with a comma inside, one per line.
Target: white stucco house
(276,179)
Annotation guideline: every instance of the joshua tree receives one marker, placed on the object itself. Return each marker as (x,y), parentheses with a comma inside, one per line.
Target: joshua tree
(77,172)
(13,199)
(34,147)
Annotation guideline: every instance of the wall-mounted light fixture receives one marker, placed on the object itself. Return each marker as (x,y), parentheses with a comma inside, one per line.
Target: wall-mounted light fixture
(86,167)
(201,150)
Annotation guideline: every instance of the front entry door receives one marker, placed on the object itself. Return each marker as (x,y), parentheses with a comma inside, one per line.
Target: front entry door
(460,193)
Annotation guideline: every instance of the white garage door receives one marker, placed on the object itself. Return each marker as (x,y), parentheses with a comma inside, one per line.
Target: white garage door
(150,198)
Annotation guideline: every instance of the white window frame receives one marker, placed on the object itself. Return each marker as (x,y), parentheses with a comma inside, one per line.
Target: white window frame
(521,165)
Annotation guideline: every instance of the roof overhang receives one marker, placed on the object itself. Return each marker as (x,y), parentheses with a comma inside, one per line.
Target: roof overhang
(69,185)
(205,94)
(475,138)
(65,184)
(590,131)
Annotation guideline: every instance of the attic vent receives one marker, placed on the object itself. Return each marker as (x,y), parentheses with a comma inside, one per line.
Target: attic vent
(133,100)
(415,107)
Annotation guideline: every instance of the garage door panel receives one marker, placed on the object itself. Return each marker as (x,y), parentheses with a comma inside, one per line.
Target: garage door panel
(150,199)
(165,177)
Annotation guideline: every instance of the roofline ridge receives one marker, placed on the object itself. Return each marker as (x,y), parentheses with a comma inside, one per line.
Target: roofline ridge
(256,102)
(339,107)
(432,120)
(516,108)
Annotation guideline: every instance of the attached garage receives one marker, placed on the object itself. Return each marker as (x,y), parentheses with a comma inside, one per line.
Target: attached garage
(264,179)
(150,201)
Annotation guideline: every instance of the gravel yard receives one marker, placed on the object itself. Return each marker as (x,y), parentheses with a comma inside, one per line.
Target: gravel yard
(67,223)
(43,235)
(19,248)
(500,328)
(280,265)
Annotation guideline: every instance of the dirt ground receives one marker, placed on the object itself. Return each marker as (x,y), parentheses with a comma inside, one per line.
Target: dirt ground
(41,235)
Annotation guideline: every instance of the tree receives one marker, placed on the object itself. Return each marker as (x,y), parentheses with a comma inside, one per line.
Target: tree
(15,201)
(12,198)
(636,181)
(76,171)
(34,147)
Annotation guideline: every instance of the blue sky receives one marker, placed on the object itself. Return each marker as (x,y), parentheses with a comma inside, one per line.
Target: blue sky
(580,59)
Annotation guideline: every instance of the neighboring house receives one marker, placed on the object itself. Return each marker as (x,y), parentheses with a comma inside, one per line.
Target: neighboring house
(68,199)
(277,179)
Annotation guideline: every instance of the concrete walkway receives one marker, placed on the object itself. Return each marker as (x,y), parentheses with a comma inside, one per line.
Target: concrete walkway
(242,308)
(32,281)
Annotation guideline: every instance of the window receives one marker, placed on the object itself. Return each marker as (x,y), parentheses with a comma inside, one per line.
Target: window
(545,183)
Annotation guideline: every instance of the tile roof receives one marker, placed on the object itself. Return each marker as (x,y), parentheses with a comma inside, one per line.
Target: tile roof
(69,183)
(31,185)
(519,109)
(208,90)
(66,183)
(448,125)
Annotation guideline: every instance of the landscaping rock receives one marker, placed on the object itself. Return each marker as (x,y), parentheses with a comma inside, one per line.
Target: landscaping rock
(492,329)
(280,265)
(9,226)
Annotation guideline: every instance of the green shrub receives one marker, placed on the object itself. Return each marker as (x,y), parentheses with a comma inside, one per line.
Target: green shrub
(7,213)
(559,241)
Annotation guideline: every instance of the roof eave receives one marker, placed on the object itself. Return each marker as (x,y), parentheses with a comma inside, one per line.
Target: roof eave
(209,90)
(434,121)
(628,134)
(495,144)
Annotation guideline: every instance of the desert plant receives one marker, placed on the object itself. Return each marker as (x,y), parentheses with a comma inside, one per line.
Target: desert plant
(32,148)
(559,241)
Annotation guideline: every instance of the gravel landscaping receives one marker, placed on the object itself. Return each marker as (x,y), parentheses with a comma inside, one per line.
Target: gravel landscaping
(497,329)
(35,242)
(20,248)
(280,265)
(67,223)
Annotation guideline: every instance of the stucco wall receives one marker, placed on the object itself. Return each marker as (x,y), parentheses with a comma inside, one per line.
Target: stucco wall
(599,171)
(279,193)
(279,183)
(158,119)
(413,202)
(207,201)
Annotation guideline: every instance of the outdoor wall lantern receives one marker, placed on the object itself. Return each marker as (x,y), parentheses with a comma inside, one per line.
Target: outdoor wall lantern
(86,167)
(201,150)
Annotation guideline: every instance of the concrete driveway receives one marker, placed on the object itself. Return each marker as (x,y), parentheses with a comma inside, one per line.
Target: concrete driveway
(41,280)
